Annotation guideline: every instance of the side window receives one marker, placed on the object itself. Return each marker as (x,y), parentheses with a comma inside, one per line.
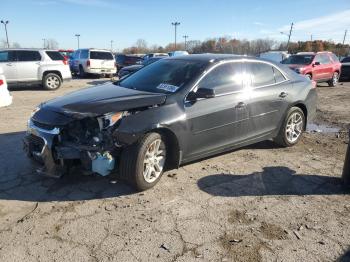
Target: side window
(84,54)
(346,60)
(4,56)
(278,75)
(325,59)
(261,74)
(27,56)
(224,78)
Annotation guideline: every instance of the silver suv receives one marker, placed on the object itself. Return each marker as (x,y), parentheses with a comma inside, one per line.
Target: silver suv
(34,66)
(93,61)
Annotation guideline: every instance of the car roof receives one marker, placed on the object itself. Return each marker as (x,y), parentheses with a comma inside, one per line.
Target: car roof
(209,57)
(27,49)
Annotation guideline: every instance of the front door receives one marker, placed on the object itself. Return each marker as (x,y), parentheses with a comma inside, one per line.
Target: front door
(9,66)
(218,122)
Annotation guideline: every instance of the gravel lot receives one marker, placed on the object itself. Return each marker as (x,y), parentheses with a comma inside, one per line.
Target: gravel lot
(260,203)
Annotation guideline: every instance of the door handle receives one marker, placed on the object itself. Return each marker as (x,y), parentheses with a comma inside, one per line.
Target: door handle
(283,94)
(240,105)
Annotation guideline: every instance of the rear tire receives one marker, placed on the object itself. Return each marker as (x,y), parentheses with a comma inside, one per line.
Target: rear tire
(142,164)
(292,128)
(52,81)
(334,81)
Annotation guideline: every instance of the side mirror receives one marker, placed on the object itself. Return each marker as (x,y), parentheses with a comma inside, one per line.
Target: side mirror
(201,93)
(316,64)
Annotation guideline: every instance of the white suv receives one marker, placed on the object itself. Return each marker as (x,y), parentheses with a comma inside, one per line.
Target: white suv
(5,97)
(33,66)
(93,61)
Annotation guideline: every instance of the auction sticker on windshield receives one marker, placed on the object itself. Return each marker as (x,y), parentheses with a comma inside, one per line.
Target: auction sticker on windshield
(167,87)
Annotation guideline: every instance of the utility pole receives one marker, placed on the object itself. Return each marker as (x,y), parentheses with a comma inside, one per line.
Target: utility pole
(175,24)
(78,35)
(185,36)
(346,31)
(311,38)
(289,35)
(7,38)
(111,45)
(44,39)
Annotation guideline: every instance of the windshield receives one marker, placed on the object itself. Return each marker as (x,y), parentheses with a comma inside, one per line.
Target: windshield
(299,60)
(101,55)
(165,76)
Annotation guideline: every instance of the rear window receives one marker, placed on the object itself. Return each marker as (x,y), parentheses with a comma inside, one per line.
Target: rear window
(101,55)
(55,56)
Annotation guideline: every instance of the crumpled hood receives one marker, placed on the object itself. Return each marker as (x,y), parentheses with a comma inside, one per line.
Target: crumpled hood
(95,101)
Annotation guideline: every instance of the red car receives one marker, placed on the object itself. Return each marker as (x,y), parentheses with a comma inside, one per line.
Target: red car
(320,67)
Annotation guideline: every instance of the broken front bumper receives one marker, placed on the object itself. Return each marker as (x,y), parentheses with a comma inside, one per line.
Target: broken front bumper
(42,144)
(38,145)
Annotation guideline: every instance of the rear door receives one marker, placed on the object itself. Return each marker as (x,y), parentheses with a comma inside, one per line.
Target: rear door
(28,63)
(8,65)
(269,91)
(102,60)
(221,121)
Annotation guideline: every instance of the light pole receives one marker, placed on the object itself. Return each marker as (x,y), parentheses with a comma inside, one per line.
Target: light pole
(112,45)
(7,38)
(185,36)
(78,35)
(289,35)
(175,24)
(44,39)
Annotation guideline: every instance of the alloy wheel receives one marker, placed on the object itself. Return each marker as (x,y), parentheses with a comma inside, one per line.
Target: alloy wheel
(154,161)
(53,82)
(294,127)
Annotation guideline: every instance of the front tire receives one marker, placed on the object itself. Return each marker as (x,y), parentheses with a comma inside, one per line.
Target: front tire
(52,81)
(142,164)
(292,128)
(334,81)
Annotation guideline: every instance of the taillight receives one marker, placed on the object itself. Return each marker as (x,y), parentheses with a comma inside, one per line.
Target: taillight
(115,64)
(314,84)
(1,82)
(65,61)
(88,63)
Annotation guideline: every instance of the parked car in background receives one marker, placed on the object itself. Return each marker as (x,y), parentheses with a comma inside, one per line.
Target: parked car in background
(34,66)
(276,56)
(66,53)
(148,56)
(127,70)
(168,113)
(345,68)
(320,67)
(93,61)
(127,60)
(5,97)
(178,53)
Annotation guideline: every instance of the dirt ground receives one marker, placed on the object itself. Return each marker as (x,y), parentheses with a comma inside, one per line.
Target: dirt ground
(260,203)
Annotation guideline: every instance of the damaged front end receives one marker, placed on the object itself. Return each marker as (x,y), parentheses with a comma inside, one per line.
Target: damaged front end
(84,141)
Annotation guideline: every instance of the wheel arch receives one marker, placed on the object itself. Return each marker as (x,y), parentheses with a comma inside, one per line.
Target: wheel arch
(52,72)
(172,147)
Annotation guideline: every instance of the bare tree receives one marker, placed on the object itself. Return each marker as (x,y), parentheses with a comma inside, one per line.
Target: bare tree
(51,43)
(141,45)
(15,45)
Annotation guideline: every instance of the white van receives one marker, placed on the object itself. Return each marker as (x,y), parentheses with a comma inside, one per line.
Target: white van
(93,61)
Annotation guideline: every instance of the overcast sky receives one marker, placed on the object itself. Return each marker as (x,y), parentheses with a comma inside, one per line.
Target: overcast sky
(100,21)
